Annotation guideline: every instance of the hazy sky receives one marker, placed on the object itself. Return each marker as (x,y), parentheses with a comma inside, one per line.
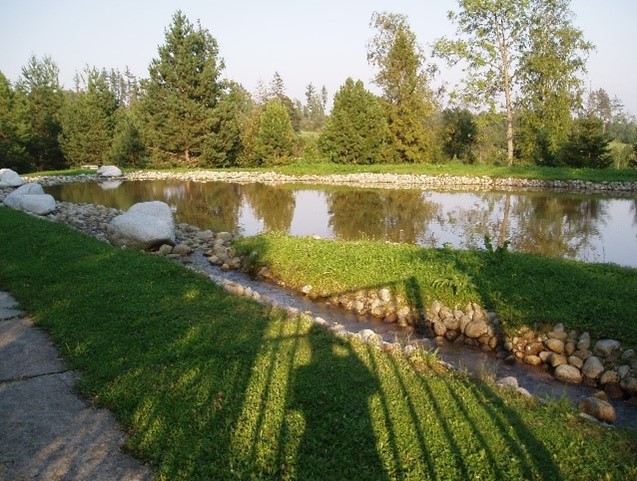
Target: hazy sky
(318,41)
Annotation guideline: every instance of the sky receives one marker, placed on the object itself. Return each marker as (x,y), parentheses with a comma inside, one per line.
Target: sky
(319,41)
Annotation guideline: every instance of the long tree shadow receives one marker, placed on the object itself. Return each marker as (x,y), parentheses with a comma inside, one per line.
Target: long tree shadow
(531,456)
(335,413)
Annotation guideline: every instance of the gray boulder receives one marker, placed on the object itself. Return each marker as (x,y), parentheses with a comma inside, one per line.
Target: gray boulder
(598,408)
(31,198)
(593,367)
(146,225)
(37,204)
(157,209)
(109,171)
(13,200)
(9,178)
(568,373)
(476,329)
(606,347)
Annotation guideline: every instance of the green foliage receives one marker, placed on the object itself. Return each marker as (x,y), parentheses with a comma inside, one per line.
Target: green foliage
(459,134)
(274,143)
(356,132)
(14,128)
(587,145)
(44,98)
(313,113)
(549,81)
(223,145)
(210,386)
(528,53)
(88,121)
(127,148)
(524,289)
(408,99)
(179,99)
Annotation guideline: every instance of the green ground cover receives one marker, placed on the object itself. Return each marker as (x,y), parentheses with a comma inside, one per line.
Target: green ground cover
(524,289)
(211,386)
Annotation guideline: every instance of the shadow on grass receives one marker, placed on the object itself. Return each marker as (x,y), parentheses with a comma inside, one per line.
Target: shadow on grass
(214,387)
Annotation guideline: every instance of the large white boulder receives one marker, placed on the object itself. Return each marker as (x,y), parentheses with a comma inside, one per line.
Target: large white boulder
(154,208)
(37,204)
(9,178)
(144,226)
(13,200)
(31,198)
(109,171)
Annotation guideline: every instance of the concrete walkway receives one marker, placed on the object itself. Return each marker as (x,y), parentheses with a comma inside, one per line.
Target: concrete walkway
(46,431)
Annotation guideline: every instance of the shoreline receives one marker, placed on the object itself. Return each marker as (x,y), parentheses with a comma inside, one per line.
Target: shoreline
(363,180)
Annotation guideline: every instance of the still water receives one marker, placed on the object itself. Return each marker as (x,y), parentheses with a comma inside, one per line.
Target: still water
(593,228)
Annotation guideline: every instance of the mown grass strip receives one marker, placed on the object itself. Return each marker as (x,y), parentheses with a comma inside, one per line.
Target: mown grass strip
(214,387)
(523,289)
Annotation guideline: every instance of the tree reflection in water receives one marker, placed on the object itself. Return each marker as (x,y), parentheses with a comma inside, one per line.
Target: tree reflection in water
(581,226)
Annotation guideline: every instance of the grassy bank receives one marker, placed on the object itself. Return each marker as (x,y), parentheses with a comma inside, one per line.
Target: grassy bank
(524,289)
(458,169)
(214,387)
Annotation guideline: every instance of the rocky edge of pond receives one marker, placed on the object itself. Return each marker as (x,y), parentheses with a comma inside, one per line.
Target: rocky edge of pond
(571,356)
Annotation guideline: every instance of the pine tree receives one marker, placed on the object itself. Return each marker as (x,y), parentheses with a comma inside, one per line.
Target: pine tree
(407,97)
(356,132)
(40,85)
(587,145)
(274,143)
(181,94)
(14,128)
(88,121)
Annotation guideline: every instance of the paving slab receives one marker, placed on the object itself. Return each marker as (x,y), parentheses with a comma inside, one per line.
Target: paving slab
(26,351)
(8,307)
(46,431)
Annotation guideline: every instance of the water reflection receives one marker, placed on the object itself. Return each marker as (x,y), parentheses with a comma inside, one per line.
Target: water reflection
(586,227)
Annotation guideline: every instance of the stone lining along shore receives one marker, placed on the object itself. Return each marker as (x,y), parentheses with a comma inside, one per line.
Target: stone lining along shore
(366,180)
(570,356)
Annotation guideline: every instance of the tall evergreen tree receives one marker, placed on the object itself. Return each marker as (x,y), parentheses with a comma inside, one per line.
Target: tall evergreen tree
(223,147)
(401,75)
(181,94)
(459,134)
(313,110)
(274,143)
(587,145)
(88,121)
(356,132)
(14,128)
(39,83)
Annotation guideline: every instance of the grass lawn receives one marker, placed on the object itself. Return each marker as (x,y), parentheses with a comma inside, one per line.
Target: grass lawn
(524,289)
(210,386)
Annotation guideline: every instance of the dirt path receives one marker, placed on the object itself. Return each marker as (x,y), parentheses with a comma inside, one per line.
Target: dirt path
(46,431)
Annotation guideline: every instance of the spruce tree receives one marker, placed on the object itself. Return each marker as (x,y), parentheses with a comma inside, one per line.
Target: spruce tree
(408,100)
(356,132)
(587,145)
(88,121)
(40,85)
(14,128)
(275,140)
(181,94)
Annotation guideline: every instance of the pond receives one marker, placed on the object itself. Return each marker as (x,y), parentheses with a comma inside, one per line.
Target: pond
(592,228)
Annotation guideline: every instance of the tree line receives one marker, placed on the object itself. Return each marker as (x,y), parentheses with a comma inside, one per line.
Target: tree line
(522,100)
